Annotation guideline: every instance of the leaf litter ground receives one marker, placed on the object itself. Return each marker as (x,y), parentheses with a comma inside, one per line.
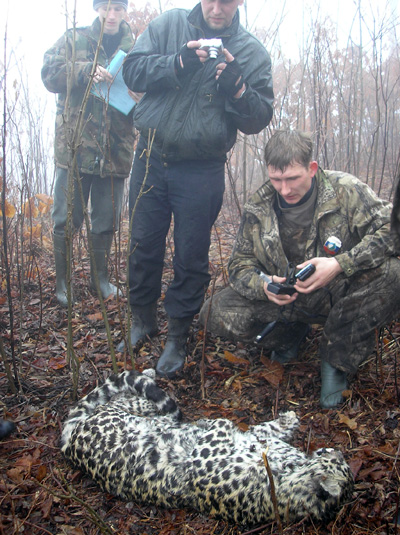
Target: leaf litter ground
(41,494)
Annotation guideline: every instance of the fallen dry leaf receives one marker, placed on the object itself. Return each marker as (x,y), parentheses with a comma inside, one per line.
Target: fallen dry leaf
(273,372)
(230,357)
(57,363)
(98,316)
(350,422)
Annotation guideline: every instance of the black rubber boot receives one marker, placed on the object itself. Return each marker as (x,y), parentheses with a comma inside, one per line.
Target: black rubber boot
(101,244)
(297,332)
(60,258)
(144,323)
(333,381)
(6,428)
(173,357)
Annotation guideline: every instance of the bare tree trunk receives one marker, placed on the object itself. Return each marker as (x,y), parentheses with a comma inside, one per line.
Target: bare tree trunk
(359,103)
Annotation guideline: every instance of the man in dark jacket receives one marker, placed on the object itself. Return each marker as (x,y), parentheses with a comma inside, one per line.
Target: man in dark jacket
(195,104)
(104,150)
(331,221)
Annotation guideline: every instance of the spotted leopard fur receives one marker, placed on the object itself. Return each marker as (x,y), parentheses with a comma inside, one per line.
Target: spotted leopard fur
(128,436)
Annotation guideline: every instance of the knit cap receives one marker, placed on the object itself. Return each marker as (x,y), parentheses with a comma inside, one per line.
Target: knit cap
(98,3)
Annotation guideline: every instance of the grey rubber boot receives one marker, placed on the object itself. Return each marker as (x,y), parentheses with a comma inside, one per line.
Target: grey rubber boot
(60,258)
(173,357)
(333,381)
(144,323)
(101,244)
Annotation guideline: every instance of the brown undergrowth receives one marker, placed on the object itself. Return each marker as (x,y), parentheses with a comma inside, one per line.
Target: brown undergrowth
(41,494)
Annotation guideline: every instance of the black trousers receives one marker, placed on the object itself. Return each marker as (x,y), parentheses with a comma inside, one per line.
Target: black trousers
(191,192)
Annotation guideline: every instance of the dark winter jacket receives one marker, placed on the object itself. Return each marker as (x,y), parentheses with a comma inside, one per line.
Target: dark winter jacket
(193,120)
(106,146)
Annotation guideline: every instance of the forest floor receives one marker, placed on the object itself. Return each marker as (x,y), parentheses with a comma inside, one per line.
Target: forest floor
(40,493)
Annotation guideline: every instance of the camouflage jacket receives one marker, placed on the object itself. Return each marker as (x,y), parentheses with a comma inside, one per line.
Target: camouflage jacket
(106,146)
(346,208)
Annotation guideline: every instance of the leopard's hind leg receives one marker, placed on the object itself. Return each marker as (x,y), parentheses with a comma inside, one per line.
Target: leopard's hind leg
(129,383)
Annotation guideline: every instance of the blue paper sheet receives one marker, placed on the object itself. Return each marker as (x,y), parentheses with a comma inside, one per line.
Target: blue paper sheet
(116,94)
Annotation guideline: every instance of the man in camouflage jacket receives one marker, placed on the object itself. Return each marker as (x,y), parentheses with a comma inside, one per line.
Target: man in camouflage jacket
(332,220)
(104,150)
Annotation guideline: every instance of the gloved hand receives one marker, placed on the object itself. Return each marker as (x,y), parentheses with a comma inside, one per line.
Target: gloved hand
(231,79)
(190,60)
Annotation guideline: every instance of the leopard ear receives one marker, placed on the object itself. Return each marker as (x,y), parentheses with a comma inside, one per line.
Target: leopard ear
(331,486)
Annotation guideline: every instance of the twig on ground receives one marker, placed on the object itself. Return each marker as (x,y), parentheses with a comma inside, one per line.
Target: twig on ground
(273,493)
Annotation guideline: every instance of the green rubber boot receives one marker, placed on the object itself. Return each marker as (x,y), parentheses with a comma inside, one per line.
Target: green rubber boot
(173,357)
(101,244)
(333,381)
(60,258)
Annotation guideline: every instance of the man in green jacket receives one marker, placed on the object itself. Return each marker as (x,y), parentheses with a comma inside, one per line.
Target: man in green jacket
(103,151)
(303,215)
(195,102)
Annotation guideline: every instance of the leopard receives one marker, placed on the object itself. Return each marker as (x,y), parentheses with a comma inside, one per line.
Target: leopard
(130,437)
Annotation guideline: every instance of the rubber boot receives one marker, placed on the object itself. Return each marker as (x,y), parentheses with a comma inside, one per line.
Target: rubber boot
(101,244)
(6,428)
(298,332)
(174,355)
(333,381)
(144,323)
(60,257)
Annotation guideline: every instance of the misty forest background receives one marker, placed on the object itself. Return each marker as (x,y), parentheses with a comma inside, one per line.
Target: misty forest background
(347,94)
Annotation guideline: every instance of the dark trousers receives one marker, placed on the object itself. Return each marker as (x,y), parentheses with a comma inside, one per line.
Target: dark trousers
(191,192)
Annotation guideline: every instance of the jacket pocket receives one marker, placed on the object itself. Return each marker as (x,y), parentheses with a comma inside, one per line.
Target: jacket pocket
(148,112)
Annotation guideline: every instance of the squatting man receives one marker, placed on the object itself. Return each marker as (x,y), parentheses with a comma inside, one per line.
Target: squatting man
(304,215)
(195,103)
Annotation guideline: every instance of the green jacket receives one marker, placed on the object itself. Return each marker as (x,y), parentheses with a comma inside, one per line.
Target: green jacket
(106,147)
(346,208)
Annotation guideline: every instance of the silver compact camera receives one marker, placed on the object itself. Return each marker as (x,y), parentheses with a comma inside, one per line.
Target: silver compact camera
(214,47)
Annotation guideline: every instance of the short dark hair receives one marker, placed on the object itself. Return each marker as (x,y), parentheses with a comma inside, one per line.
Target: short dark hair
(288,147)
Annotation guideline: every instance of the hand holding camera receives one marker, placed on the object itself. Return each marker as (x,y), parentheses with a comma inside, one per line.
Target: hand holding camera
(194,53)
(188,59)
(213,47)
(291,277)
(327,269)
(230,78)
(228,73)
